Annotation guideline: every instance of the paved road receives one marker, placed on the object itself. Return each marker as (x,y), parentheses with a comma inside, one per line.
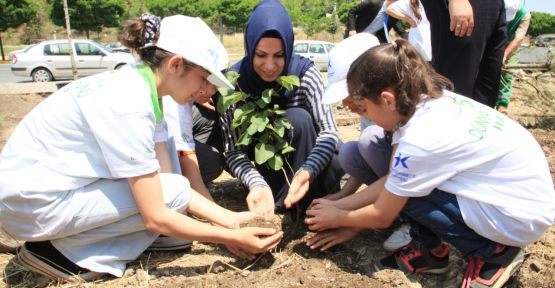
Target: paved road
(6,75)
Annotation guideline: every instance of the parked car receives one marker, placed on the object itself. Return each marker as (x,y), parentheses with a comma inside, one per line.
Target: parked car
(545,40)
(49,60)
(117,47)
(315,50)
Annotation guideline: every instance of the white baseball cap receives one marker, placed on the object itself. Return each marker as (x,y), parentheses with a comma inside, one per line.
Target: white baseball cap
(511,7)
(191,38)
(340,59)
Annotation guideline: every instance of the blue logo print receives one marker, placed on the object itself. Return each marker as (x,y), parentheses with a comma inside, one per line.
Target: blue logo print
(399,159)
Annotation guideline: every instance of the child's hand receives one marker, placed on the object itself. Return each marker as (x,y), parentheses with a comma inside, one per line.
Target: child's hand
(322,215)
(256,240)
(327,239)
(237,251)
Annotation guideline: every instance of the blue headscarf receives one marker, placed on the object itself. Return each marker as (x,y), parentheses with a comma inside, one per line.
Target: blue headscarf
(268,15)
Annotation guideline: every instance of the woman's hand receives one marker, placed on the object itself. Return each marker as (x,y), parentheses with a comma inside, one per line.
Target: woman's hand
(327,239)
(322,215)
(462,17)
(297,190)
(261,201)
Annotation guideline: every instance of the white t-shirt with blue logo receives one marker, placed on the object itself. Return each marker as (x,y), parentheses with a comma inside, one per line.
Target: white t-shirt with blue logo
(493,165)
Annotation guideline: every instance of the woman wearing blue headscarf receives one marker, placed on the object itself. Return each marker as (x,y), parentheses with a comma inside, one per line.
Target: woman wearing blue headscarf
(269,54)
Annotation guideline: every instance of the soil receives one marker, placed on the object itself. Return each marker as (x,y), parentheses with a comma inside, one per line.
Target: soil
(274,223)
(293,264)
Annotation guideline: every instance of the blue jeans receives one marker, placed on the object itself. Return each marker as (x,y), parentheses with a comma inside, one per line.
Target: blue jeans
(436,218)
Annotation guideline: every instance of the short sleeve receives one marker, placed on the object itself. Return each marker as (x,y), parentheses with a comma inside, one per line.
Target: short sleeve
(161,132)
(127,143)
(415,172)
(403,6)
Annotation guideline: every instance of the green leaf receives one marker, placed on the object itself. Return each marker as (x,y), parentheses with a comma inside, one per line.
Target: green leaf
(276,162)
(280,131)
(287,149)
(266,137)
(244,140)
(289,82)
(263,152)
(253,128)
(267,95)
(260,121)
(232,76)
(225,101)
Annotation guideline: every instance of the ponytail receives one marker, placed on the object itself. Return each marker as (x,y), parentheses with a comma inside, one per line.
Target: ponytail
(397,66)
(141,34)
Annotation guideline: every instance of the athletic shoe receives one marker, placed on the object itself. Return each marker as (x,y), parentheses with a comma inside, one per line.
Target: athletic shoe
(410,259)
(165,243)
(493,271)
(43,258)
(397,239)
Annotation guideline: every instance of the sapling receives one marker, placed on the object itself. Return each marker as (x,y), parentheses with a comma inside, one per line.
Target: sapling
(261,123)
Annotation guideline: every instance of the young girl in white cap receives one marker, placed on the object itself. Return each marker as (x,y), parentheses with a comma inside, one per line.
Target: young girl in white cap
(80,178)
(460,172)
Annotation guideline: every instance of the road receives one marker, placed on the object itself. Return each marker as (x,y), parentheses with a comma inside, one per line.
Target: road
(6,75)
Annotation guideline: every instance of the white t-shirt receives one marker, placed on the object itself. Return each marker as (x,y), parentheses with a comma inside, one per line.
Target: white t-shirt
(419,36)
(493,165)
(101,126)
(180,123)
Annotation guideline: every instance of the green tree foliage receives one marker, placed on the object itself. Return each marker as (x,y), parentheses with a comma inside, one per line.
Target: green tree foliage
(163,8)
(234,13)
(343,11)
(541,23)
(14,13)
(88,15)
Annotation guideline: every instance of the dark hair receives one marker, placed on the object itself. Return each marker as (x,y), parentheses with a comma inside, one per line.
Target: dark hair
(133,37)
(397,66)
(414,4)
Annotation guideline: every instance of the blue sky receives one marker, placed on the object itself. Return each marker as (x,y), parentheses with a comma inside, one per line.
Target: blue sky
(547,6)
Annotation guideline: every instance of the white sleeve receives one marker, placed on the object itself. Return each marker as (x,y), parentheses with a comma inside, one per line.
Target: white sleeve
(161,132)
(415,172)
(127,143)
(403,6)
(180,123)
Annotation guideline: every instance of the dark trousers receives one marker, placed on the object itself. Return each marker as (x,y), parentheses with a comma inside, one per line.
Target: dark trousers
(303,138)
(437,217)
(208,143)
(472,63)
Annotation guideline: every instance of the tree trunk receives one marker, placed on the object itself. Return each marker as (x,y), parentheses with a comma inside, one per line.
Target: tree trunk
(71,54)
(2,47)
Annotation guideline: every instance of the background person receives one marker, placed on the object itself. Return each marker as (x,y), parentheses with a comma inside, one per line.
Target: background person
(84,173)
(412,12)
(468,40)
(518,19)
(369,16)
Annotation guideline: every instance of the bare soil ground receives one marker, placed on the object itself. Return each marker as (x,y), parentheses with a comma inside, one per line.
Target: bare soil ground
(293,264)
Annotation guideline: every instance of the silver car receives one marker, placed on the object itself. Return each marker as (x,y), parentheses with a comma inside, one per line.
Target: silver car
(315,50)
(50,60)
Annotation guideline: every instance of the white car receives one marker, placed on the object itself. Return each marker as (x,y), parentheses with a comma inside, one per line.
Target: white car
(315,50)
(49,60)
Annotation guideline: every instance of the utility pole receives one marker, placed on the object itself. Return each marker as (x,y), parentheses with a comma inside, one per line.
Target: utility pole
(68,29)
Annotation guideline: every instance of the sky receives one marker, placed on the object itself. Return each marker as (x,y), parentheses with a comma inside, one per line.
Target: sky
(547,6)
